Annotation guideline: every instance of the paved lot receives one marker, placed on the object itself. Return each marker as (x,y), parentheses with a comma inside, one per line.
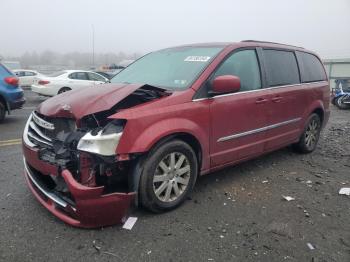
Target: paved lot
(237,214)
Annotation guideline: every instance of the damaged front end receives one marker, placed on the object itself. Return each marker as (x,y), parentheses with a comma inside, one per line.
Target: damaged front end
(72,168)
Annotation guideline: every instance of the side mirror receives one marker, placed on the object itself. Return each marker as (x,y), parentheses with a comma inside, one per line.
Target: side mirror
(225,84)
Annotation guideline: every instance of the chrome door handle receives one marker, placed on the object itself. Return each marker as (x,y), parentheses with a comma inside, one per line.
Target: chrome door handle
(276,99)
(261,101)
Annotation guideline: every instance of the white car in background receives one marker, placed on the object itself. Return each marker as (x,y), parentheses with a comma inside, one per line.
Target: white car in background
(67,80)
(27,77)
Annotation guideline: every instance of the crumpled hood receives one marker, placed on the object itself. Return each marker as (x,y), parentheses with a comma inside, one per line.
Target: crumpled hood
(86,101)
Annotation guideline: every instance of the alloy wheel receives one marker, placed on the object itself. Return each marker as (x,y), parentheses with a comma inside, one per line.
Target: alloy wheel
(312,133)
(171,177)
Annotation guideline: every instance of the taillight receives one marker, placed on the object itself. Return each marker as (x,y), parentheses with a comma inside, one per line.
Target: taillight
(11,80)
(43,82)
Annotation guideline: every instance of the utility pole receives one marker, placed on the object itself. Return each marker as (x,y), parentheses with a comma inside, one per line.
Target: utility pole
(93,46)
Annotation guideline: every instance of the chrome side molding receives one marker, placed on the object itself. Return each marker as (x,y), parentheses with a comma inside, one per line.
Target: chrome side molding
(254,131)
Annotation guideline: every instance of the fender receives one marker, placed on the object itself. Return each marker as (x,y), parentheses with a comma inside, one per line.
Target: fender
(317,104)
(148,137)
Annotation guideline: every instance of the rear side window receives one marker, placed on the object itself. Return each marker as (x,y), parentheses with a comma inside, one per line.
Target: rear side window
(312,68)
(27,73)
(79,76)
(281,68)
(243,64)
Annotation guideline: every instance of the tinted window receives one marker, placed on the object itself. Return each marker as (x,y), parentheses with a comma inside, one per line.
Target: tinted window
(19,73)
(27,73)
(78,76)
(243,64)
(312,69)
(96,77)
(281,68)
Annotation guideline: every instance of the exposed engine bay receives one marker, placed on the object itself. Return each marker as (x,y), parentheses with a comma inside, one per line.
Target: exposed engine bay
(88,150)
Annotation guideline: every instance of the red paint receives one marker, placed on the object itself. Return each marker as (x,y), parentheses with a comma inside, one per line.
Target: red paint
(226,84)
(92,207)
(206,120)
(11,80)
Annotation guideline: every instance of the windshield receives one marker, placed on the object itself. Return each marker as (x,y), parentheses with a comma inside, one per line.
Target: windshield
(173,68)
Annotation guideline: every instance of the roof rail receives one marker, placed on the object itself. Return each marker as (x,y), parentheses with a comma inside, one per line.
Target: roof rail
(267,42)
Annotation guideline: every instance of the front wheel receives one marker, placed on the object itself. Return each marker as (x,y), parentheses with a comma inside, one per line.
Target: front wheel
(309,138)
(168,176)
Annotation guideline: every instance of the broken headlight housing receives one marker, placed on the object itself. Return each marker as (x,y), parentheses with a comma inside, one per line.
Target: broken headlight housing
(102,141)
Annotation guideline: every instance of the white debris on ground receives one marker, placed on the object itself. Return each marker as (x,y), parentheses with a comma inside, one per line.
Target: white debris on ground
(344,191)
(288,198)
(310,246)
(129,223)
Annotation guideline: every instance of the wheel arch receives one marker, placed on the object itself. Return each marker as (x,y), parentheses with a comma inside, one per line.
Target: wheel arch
(63,87)
(4,101)
(320,112)
(188,138)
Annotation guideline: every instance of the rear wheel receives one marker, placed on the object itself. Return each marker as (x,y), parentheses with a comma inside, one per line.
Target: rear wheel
(168,176)
(63,89)
(309,138)
(2,111)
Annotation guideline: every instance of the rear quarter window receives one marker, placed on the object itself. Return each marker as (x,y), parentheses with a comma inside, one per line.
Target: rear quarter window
(281,67)
(311,68)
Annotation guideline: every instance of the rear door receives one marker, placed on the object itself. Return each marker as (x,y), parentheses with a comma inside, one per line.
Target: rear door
(237,119)
(79,80)
(286,99)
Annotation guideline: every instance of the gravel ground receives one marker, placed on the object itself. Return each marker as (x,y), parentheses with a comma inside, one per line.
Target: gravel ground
(237,214)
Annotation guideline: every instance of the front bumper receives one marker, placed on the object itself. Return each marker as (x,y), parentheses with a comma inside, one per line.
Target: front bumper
(89,206)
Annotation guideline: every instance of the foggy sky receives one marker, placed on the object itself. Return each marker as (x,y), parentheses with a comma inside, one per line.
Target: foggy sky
(143,26)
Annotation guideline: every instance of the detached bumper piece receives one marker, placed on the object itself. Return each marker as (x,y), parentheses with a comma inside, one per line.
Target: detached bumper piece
(87,208)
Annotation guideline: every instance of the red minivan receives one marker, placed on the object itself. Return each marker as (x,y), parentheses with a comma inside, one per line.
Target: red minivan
(170,116)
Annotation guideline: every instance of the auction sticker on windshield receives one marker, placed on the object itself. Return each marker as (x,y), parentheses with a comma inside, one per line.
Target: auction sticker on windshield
(195,58)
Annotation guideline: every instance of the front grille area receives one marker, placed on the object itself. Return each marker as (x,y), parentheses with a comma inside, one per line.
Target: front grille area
(43,130)
(50,186)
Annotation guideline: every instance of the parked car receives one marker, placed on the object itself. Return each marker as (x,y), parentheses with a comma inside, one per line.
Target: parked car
(11,95)
(170,116)
(67,80)
(27,77)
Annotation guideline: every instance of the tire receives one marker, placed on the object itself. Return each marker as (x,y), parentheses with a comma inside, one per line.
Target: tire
(339,104)
(163,186)
(2,111)
(309,138)
(63,90)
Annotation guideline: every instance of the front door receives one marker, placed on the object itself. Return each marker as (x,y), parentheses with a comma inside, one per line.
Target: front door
(238,119)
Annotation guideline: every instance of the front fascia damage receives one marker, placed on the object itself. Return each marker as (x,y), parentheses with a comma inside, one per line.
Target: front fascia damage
(88,175)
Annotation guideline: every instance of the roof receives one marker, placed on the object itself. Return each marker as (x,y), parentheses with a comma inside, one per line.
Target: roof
(243,44)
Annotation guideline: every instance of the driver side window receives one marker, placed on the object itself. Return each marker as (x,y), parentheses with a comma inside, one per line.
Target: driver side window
(243,64)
